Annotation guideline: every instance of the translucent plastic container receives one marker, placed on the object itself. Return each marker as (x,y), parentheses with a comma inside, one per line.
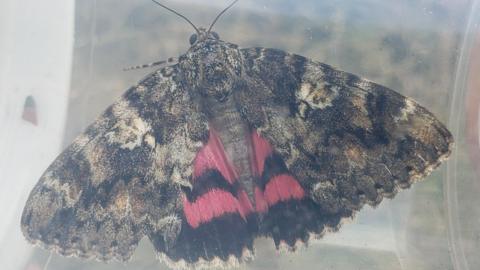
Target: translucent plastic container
(428,50)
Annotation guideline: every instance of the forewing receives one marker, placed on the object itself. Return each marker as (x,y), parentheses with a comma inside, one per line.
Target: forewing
(120,179)
(347,140)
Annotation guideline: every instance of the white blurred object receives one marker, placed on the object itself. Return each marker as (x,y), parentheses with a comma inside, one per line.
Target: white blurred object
(36,42)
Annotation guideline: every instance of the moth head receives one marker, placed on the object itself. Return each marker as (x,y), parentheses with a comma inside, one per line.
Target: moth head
(202,35)
(213,66)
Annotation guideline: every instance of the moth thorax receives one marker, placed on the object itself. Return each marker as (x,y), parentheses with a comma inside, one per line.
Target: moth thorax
(218,69)
(218,82)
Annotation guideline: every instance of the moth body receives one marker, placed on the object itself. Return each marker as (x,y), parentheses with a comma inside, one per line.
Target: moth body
(234,136)
(219,79)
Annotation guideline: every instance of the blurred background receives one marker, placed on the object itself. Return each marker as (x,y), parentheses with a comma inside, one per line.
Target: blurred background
(61,65)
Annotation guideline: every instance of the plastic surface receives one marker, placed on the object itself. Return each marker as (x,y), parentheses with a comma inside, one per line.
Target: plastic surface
(428,50)
(36,44)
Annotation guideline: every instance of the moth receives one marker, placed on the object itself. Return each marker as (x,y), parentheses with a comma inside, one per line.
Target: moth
(225,145)
(29,113)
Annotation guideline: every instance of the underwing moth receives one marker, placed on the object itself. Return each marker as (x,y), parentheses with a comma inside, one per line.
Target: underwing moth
(225,145)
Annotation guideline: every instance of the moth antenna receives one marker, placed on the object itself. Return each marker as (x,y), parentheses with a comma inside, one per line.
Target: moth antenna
(185,18)
(220,14)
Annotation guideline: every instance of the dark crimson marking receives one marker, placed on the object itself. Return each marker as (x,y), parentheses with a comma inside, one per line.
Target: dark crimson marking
(214,204)
(261,204)
(245,202)
(275,184)
(261,150)
(210,179)
(212,156)
(274,166)
(282,188)
(215,191)
(211,197)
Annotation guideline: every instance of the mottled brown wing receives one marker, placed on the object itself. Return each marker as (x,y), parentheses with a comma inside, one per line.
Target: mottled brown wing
(349,141)
(120,179)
